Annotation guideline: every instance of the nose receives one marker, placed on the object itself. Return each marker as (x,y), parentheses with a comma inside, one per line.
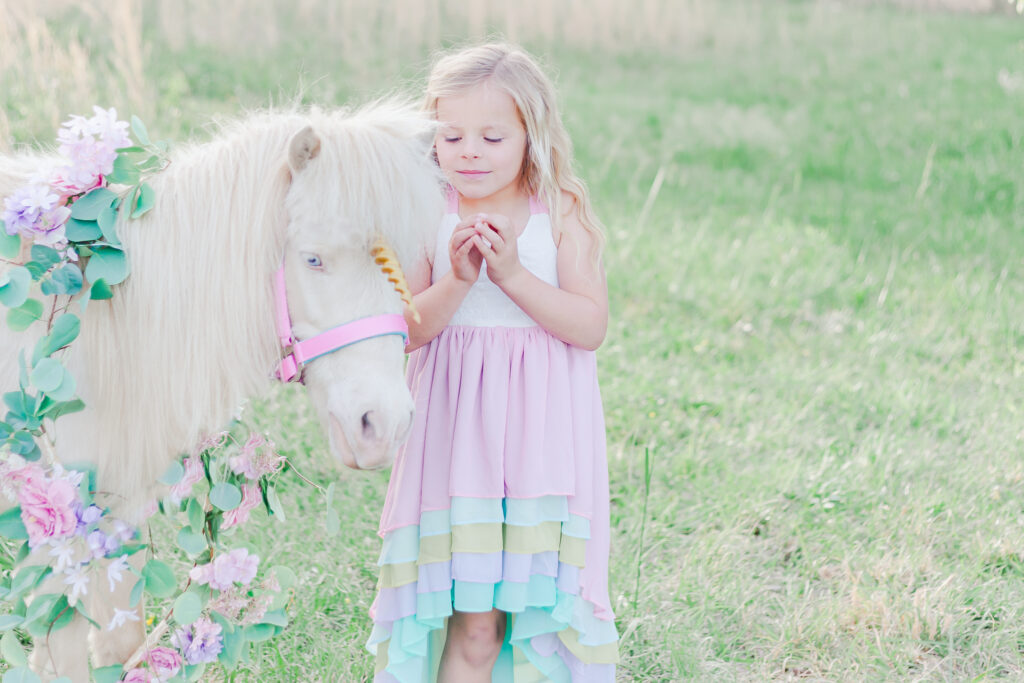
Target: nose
(469,151)
(374,428)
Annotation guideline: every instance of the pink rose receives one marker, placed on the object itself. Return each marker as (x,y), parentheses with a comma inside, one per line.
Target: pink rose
(164,661)
(25,475)
(194,474)
(138,675)
(240,515)
(47,509)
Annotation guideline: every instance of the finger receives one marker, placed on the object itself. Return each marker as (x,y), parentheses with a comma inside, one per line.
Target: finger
(460,238)
(485,249)
(469,221)
(488,233)
(500,224)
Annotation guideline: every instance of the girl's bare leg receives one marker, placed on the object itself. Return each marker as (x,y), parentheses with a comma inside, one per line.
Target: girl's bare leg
(474,641)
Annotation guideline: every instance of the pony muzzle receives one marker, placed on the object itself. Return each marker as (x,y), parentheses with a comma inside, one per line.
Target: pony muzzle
(367,442)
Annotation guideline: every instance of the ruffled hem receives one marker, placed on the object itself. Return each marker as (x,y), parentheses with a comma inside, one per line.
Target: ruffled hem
(526,557)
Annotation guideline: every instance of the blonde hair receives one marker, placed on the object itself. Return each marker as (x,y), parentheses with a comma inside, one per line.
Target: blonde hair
(547,167)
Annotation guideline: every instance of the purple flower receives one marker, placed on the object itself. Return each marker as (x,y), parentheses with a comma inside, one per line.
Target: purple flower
(200,642)
(23,209)
(101,545)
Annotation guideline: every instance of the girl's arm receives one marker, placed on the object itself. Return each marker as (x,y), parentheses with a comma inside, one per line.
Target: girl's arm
(438,302)
(577,310)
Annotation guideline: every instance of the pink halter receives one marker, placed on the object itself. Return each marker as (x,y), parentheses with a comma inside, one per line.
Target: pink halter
(298,353)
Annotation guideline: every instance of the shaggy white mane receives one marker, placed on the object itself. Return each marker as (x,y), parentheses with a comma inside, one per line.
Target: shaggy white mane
(190,334)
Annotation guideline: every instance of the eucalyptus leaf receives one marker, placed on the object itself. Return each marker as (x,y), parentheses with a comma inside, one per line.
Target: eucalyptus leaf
(47,374)
(41,606)
(286,577)
(187,608)
(160,579)
(275,504)
(260,632)
(277,617)
(125,171)
(66,390)
(225,496)
(107,220)
(196,516)
(108,674)
(173,475)
(12,651)
(98,290)
(21,674)
(45,256)
(139,129)
(144,201)
(233,643)
(22,317)
(28,578)
(65,330)
(191,542)
(136,595)
(89,206)
(9,621)
(11,525)
(15,290)
(10,245)
(108,264)
(63,408)
(82,231)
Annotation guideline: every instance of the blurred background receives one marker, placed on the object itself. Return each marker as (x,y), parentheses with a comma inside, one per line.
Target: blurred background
(813,374)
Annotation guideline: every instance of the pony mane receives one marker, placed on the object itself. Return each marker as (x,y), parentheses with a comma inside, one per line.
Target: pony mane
(190,334)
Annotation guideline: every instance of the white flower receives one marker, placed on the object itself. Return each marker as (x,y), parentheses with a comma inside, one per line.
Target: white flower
(78,579)
(62,550)
(121,617)
(114,570)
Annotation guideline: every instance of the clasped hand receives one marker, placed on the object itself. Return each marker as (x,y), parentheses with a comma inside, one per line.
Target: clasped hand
(481,237)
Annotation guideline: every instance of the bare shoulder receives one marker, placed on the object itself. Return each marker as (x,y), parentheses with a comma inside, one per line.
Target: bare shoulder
(571,228)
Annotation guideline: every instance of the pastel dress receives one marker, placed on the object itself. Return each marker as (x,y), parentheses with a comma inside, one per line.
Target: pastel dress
(500,497)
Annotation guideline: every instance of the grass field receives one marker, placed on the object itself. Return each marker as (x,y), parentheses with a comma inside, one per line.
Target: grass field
(813,374)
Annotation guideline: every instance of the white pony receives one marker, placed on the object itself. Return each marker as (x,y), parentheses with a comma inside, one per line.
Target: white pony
(191,333)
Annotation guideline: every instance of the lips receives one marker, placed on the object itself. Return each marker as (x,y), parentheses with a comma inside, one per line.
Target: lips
(473,174)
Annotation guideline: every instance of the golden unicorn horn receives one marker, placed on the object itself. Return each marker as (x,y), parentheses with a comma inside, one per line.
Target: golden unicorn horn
(384,256)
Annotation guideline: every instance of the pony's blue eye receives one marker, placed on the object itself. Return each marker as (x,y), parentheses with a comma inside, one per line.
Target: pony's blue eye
(313,261)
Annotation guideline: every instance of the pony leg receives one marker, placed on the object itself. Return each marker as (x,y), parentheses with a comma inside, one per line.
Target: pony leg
(116,646)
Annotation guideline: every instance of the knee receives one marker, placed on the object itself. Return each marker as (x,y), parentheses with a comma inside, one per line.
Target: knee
(479,636)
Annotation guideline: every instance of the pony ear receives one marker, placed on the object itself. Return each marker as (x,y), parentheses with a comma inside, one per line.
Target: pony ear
(304,145)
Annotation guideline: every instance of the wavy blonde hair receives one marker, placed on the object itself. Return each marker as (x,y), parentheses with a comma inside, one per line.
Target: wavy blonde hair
(547,168)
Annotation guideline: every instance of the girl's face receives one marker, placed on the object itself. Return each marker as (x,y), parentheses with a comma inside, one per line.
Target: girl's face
(480,142)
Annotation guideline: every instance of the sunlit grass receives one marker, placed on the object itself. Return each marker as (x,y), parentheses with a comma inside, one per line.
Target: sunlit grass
(815,220)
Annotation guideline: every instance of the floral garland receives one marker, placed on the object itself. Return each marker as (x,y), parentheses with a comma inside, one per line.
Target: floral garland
(70,214)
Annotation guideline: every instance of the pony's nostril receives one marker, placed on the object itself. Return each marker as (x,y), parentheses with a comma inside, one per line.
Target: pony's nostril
(368,431)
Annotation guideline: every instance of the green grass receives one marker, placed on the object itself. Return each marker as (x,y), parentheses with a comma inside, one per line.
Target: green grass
(818,342)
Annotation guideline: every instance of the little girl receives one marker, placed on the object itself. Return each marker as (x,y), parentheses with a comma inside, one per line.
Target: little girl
(495,527)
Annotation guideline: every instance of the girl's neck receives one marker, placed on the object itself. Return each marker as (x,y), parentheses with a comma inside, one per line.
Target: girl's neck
(508,202)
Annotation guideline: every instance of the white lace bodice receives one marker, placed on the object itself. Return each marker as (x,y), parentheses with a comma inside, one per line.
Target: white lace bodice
(486,305)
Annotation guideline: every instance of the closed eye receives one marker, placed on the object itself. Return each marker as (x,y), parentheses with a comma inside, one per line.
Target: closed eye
(453,139)
(493,139)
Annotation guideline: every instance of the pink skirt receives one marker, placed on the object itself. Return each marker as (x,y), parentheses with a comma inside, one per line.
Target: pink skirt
(499,500)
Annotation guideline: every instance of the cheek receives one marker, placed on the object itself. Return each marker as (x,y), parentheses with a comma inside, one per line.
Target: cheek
(445,156)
